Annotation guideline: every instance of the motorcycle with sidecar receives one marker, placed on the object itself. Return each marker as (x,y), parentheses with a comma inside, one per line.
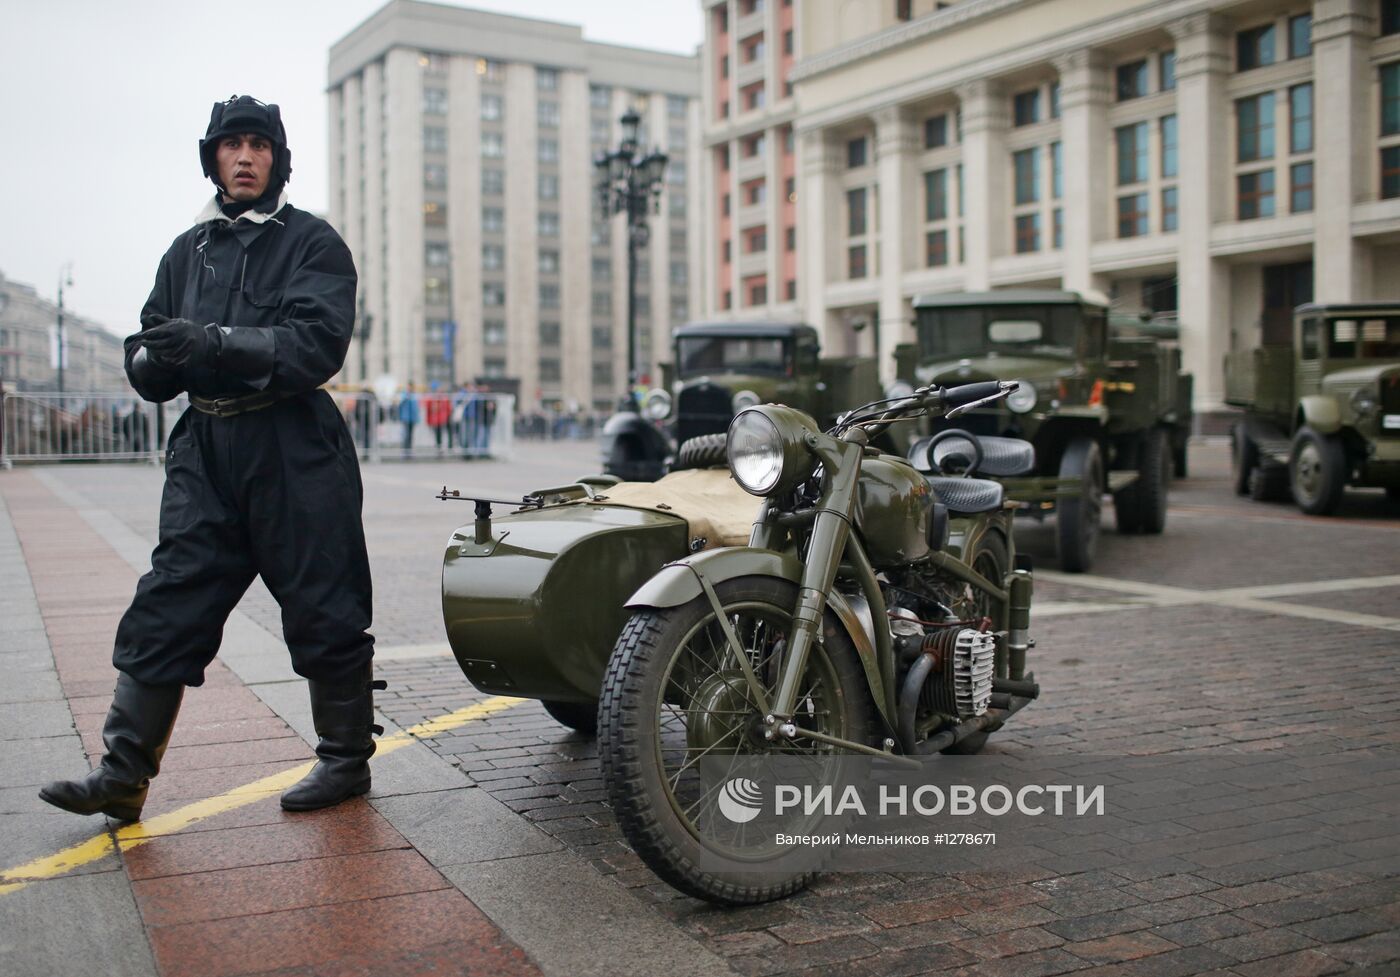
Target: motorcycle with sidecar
(817,597)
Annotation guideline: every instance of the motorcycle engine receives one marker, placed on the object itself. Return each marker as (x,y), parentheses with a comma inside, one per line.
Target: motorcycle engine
(960,683)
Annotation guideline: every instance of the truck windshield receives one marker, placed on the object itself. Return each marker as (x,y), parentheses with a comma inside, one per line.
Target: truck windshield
(1037,330)
(698,355)
(1363,339)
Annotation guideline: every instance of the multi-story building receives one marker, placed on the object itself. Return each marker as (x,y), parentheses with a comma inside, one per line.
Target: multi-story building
(1225,160)
(28,346)
(462,149)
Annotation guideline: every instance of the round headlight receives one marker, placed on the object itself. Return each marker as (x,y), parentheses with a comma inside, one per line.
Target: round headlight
(1364,402)
(656,404)
(745,399)
(766,450)
(1023,398)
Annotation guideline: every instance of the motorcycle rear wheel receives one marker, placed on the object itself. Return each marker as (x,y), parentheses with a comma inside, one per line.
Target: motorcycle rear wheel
(658,708)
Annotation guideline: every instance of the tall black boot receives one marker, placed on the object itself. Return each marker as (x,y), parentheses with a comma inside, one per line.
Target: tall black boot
(343,714)
(136,733)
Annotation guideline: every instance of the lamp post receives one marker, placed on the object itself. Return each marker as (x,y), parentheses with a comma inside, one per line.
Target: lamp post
(627,182)
(362,334)
(65,277)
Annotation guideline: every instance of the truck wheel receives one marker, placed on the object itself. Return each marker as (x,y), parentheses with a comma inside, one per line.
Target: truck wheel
(1154,475)
(1317,471)
(703,451)
(579,716)
(1078,517)
(1244,458)
(1269,483)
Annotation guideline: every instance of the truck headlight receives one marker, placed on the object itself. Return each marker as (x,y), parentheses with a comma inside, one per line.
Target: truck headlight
(745,399)
(1364,402)
(1023,398)
(766,450)
(656,405)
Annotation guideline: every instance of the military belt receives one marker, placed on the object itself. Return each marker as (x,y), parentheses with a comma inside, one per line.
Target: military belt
(230,406)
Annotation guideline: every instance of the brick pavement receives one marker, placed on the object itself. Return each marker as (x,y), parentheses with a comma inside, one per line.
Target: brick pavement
(1185,895)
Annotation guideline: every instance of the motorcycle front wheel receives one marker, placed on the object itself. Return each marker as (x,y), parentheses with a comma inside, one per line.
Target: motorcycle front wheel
(674,695)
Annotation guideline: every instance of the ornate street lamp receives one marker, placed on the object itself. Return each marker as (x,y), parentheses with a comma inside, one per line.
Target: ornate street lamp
(627,183)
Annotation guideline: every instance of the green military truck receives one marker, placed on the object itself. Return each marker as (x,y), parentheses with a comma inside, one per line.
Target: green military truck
(1323,412)
(718,369)
(1105,404)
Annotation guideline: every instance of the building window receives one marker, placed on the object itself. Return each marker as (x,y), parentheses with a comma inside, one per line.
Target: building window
(602,270)
(602,375)
(547,79)
(493,294)
(549,261)
(1169,210)
(548,113)
(1390,99)
(790,289)
(726,300)
(1057,228)
(1166,71)
(1256,195)
(549,295)
(726,251)
(434,139)
(435,214)
(493,332)
(675,204)
(936,131)
(1131,80)
(1025,107)
(751,49)
(787,42)
(1255,123)
(493,368)
(493,182)
(790,189)
(903,9)
(1026,165)
(434,101)
(1300,188)
(755,192)
(753,146)
(678,273)
(549,223)
(435,254)
(1132,153)
(491,108)
(599,96)
(790,238)
(936,248)
(936,195)
(602,303)
(1027,233)
(724,205)
(758,293)
(1057,171)
(434,176)
(1300,36)
(855,262)
(493,257)
(1300,118)
(548,186)
(1167,131)
(549,151)
(855,153)
(756,240)
(1132,215)
(752,96)
(549,370)
(1390,17)
(1390,172)
(493,220)
(855,212)
(492,145)
(1254,48)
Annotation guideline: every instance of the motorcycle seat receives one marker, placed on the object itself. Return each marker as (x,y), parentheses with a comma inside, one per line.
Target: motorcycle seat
(1001,457)
(967,495)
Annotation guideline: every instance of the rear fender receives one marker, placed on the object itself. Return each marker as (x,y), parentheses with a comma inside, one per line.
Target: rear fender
(679,583)
(1321,414)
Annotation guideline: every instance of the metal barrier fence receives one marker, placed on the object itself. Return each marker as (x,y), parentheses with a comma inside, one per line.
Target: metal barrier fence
(36,428)
(49,427)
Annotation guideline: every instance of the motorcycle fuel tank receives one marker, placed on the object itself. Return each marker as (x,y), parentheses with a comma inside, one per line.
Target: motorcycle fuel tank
(893,506)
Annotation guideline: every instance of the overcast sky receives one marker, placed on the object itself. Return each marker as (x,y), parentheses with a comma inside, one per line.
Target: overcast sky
(104,102)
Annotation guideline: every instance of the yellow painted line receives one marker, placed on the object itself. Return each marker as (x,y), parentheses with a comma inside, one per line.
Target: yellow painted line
(138,833)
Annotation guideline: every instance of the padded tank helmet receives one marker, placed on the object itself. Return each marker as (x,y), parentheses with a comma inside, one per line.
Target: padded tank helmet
(240,114)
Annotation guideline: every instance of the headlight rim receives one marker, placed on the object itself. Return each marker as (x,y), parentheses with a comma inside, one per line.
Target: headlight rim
(1025,393)
(657,395)
(789,429)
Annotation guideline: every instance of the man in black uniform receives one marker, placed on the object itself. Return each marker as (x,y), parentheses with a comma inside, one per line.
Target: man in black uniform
(251,313)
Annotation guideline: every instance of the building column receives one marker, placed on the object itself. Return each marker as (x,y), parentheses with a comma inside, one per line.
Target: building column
(895,145)
(1341,36)
(1084,98)
(819,205)
(1203,282)
(984,173)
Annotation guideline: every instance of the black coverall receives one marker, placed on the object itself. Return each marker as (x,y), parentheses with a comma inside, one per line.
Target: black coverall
(274,492)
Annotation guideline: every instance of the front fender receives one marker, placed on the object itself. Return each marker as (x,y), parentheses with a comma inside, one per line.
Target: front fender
(677,584)
(1321,413)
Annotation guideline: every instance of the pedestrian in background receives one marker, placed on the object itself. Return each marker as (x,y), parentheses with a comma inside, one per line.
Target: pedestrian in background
(410,413)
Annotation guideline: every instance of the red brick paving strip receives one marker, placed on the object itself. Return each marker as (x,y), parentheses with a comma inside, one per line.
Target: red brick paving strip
(255,890)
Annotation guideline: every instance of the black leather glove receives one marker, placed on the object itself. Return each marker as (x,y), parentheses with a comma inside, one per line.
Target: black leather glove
(177,342)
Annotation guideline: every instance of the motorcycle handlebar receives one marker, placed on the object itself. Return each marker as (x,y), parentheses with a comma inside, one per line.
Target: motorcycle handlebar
(970,392)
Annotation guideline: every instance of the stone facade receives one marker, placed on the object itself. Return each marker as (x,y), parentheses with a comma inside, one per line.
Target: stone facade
(27,363)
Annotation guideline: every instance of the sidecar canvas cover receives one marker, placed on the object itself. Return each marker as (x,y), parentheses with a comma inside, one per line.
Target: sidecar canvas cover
(535,610)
